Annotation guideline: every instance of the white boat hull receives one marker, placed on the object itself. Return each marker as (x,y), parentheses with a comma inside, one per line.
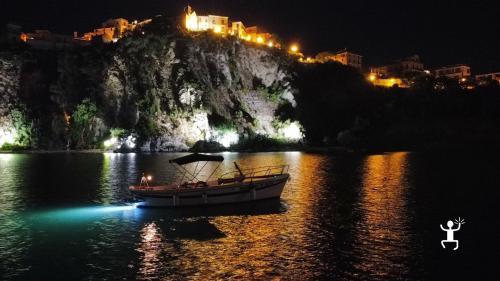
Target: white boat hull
(226,194)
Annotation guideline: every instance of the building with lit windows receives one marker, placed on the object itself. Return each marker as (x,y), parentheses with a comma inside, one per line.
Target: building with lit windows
(107,35)
(112,30)
(400,68)
(488,76)
(46,40)
(218,24)
(238,29)
(344,57)
(254,34)
(458,71)
(120,26)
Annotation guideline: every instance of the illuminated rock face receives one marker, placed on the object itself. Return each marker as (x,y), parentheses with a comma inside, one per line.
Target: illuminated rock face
(9,87)
(195,81)
(169,91)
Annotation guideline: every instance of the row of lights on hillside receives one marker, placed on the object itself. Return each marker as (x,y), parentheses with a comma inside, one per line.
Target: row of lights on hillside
(293,49)
(258,40)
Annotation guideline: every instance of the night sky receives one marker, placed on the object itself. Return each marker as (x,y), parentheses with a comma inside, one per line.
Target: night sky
(441,33)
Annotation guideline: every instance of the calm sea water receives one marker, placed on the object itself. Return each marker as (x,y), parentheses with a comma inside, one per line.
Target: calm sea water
(341,217)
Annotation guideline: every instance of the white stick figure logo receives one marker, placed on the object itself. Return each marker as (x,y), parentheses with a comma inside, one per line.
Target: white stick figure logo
(450,232)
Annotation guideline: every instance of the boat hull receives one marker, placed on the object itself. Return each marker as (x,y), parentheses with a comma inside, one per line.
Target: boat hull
(227,194)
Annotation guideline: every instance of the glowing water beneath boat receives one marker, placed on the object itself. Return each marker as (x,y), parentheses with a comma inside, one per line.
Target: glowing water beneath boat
(69,215)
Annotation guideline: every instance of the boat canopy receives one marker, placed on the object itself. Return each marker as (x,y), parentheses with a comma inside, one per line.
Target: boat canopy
(196,157)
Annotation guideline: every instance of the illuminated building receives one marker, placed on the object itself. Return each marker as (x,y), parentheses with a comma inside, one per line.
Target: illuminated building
(220,25)
(238,29)
(458,71)
(344,57)
(112,30)
(46,40)
(120,25)
(387,82)
(106,33)
(488,76)
(193,22)
(256,33)
(403,67)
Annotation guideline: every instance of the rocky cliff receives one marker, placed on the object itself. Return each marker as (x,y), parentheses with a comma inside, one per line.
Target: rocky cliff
(153,91)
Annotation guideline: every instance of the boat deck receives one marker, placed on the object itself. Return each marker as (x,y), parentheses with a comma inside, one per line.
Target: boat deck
(200,184)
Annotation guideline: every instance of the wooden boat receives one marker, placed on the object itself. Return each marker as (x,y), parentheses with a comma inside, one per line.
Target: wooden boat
(231,187)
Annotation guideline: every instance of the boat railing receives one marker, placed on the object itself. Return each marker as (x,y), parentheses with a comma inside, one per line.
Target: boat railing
(257,172)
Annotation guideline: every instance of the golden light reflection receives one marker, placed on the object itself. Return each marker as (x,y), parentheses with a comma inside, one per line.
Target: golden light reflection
(248,249)
(151,248)
(382,231)
(12,199)
(105,192)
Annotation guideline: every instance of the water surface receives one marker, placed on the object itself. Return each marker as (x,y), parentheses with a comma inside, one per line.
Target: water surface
(341,217)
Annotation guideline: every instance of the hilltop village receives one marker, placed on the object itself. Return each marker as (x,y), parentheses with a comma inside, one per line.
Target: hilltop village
(397,73)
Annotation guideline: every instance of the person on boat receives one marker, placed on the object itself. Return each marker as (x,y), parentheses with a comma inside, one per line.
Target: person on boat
(144,180)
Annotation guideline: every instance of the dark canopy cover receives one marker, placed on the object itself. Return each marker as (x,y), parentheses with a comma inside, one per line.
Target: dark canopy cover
(196,157)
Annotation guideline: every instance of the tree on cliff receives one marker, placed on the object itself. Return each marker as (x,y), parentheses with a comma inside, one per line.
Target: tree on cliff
(329,98)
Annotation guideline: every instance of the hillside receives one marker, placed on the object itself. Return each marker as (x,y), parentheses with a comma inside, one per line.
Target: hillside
(161,90)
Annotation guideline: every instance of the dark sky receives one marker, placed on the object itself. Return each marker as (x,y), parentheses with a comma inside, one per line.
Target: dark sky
(441,32)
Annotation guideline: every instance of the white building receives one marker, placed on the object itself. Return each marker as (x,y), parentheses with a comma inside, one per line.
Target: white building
(344,57)
(458,71)
(488,76)
(218,24)
(238,29)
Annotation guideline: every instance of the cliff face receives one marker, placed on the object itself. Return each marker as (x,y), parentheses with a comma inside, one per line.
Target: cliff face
(10,69)
(161,92)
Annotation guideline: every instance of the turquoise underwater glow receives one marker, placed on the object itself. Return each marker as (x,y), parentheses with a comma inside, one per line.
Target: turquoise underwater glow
(82,214)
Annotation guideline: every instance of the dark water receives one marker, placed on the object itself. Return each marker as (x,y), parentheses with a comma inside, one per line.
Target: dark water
(346,217)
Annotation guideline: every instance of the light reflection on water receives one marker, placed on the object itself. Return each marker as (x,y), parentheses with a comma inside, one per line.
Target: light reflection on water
(344,217)
(382,233)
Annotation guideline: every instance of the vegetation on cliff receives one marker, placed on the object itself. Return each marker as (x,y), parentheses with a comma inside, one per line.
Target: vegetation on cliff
(338,107)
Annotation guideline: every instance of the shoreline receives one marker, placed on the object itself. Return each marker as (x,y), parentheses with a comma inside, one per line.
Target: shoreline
(312,149)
